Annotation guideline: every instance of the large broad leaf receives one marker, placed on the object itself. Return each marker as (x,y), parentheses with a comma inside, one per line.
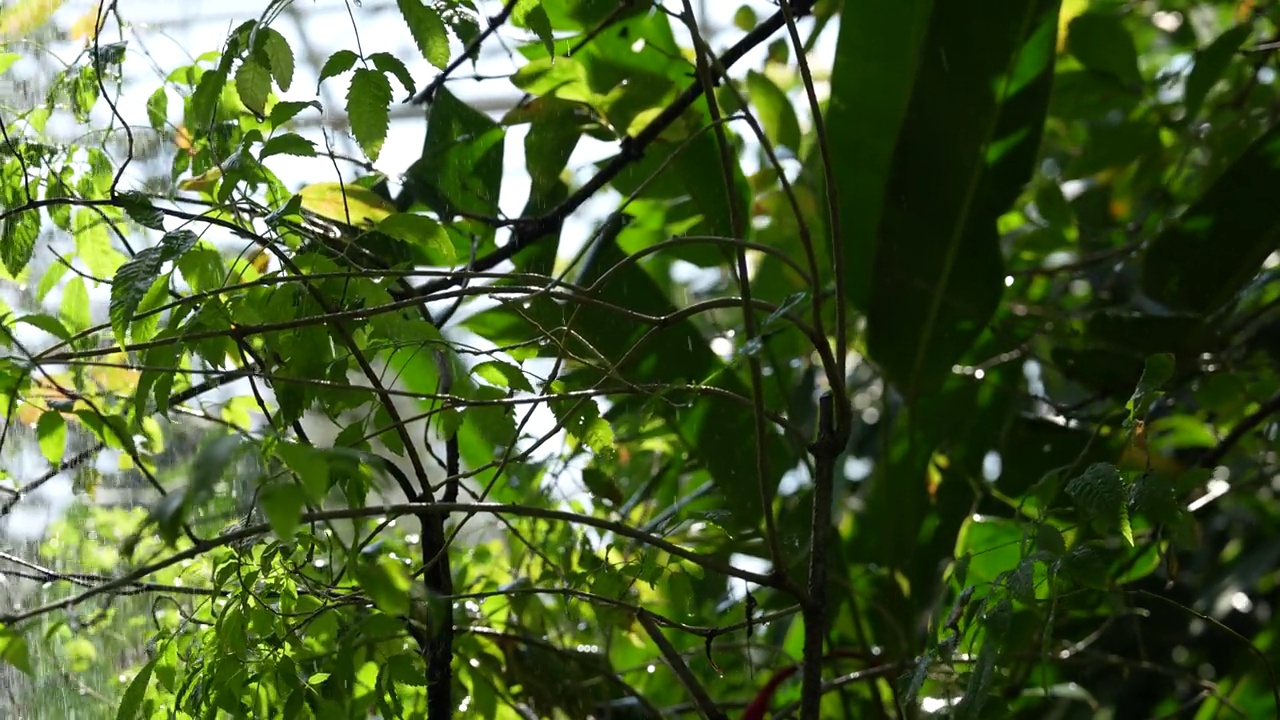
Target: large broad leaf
(926,263)
(1221,241)
(461,165)
(720,431)
(877,54)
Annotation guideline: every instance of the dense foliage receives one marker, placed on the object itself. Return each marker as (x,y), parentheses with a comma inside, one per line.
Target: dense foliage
(920,359)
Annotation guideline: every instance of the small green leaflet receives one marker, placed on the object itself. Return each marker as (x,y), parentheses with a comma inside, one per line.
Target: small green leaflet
(368,107)
(134,278)
(429,31)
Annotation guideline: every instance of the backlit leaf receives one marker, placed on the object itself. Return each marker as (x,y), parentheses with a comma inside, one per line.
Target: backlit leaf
(368,105)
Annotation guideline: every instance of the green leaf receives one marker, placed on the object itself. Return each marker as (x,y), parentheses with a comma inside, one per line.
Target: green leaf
(1103,497)
(338,63)
(877,55)
(428,31)
(284,111)
(1157,371)
(1218,244)
(136,277)
(348,204)
(47,323)
(7,59)
(282,503)
(18,241)
(503,375)
(210,464)
(368,107)
(140,210)
(581,419)
(1210,64)
(776,113)
(709,424)
(14,651)
(253,83)
(287,144)
(529,14)
(422,232)
(131,702)
(937,273)
(205,99)
(310,465)
(386,582)
(461,164)
(131,283)
(279,56)
(391,65)
(51,429)
(75,305)
(1102,44)
(158,109)
(554,133)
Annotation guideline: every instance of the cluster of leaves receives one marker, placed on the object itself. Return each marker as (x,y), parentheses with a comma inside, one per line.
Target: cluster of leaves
(1018,267)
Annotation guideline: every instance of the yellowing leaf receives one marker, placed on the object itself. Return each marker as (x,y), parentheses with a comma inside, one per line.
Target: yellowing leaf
(85,26)
(202,183)
(24,17)
(361,207)
(1071,9)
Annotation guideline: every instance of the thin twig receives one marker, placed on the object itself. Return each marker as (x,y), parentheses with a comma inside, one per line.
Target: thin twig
(705,704)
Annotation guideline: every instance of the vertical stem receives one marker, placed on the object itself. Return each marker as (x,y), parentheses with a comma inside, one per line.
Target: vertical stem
(738,223)
(826,448)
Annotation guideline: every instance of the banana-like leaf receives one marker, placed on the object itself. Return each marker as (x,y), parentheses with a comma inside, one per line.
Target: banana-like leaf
(923,259)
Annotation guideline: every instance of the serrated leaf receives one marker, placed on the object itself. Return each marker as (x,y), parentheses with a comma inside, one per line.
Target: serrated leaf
(18,241)
(1103,497)
(253,83)
(428,31)
(205,99)
(338,63)
(279,56)
(158,109)
(140,210)
(350,204)
(287,144)
(421,231)
(51,429)
(285,110)
(132,281)
(530,14)
(368,108)
(57,186)
(390,64)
